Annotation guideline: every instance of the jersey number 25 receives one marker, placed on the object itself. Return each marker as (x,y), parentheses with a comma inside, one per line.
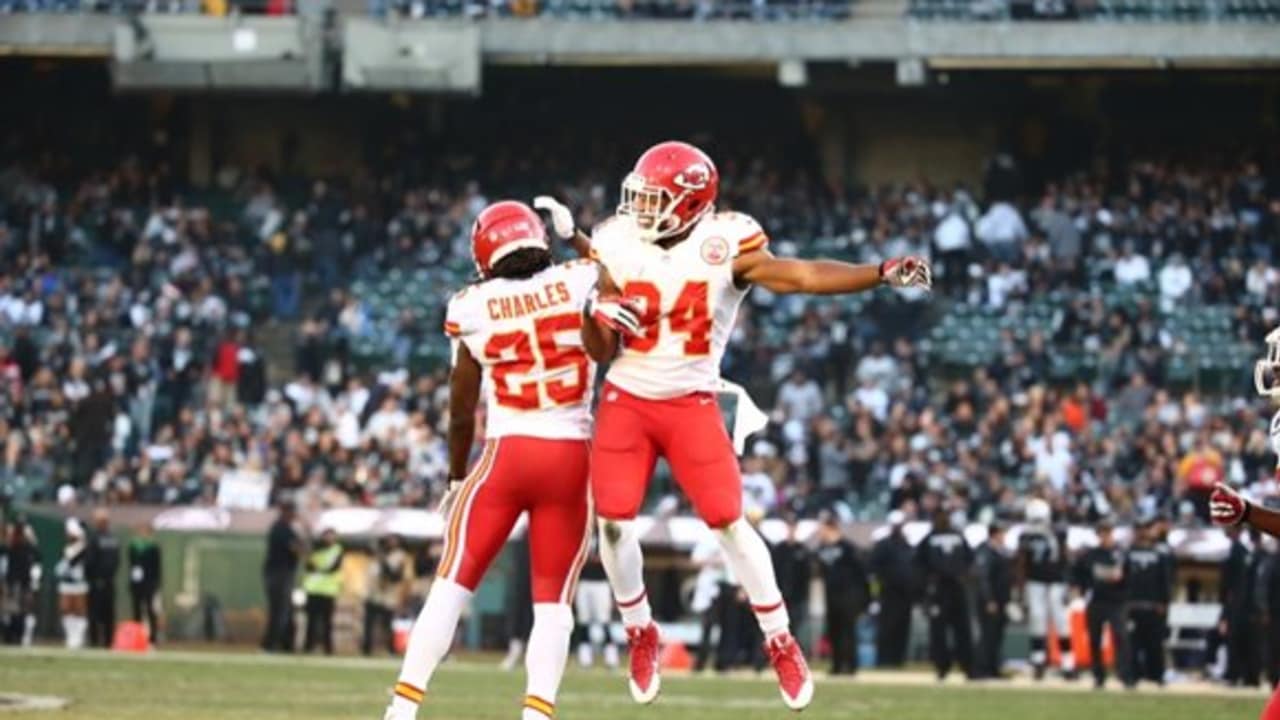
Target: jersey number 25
(520,352)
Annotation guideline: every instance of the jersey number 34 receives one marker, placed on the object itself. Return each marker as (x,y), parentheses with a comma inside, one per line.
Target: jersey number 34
(689,317)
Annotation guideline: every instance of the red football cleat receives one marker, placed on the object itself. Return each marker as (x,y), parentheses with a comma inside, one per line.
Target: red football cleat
(645,680)
(794,681)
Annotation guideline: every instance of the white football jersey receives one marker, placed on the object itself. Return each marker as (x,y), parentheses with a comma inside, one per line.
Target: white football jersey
(688,298)
(527,336)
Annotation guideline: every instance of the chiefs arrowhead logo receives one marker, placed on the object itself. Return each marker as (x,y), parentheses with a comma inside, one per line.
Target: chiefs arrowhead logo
(715,250)
(695,177)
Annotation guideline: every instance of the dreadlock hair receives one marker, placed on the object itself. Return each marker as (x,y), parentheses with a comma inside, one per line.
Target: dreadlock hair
(523,263)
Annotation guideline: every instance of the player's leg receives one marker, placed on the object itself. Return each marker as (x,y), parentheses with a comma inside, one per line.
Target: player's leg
(586,644)
(1038,624)
(695,442)
(622,458)
(602,610)
(478,525)
(559,538)
(1058,604)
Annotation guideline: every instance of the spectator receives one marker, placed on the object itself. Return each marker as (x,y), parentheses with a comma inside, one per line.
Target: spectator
(800,398)
(390,575)
(1174,280)
(1131,267)
(144,579)
(322,583)
(101,563)
(284,547)
(994,588)
(844,579)
(945,562)
(1002,231)
(893,566)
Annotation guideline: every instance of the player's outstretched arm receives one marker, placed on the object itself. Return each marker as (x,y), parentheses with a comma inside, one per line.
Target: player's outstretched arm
(826,277)
(464,395)
(1229,508)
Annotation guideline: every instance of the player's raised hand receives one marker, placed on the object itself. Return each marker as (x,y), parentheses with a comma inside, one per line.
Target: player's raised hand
(908,271)
(1227,507)
(617,313)
(561,217)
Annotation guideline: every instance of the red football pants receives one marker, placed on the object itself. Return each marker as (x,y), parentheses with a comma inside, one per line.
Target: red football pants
(516,474)
(1272,710)
(689,431)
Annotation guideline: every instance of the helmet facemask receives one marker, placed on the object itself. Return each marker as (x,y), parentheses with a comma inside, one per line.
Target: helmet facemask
(651,207)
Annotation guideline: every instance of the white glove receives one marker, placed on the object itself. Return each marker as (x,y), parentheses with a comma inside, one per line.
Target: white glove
(445,508)
(561,217)
(909,271)
(617,313)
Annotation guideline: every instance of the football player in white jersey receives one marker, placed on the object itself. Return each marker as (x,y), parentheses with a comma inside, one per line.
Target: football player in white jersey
(686,269)
(517,334)
(1229,508)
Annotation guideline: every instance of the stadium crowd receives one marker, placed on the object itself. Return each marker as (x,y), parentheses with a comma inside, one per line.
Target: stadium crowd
(132,370)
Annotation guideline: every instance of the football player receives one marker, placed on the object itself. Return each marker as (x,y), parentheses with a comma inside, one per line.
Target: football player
(516,333)
(1229,508)
(686,268)
(1041,572)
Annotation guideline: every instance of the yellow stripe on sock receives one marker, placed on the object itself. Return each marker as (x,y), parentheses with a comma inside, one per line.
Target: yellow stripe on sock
(410,693)
(533,702)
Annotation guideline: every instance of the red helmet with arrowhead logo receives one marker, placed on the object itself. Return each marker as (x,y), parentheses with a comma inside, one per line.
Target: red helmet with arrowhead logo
(673,185)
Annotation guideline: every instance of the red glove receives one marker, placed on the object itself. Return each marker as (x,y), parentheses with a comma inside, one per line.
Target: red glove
(1226,507)
(909,271)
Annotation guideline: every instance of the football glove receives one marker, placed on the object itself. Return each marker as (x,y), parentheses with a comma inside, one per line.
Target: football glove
(617,313)
(561,217)
(1227,507)
(445,508)
(909,271)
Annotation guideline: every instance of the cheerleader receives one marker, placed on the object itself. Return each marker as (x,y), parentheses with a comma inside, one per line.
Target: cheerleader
(73,588)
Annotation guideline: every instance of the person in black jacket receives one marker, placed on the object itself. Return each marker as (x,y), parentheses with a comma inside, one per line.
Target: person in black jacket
(845,582)
(894,570)
(144,578)
(279,574)
(1235,594)
(793,565)
(102,562)
(993,571)
(946,564)
(1149,587)
(1100,575)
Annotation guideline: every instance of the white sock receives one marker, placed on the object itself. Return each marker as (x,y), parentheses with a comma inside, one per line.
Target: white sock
(611,655)
(548,650)
(585,655)
(751,563)
(28,630)
(429,641)
(75,627)
(624,565)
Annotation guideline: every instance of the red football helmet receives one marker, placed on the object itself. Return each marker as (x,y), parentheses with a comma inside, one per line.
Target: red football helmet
(672,186)
(501,229)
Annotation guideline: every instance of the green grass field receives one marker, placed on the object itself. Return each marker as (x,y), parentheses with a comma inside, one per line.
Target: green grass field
(194,686)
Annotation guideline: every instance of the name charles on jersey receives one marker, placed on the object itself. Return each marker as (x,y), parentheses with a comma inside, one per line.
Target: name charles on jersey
(521,304)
